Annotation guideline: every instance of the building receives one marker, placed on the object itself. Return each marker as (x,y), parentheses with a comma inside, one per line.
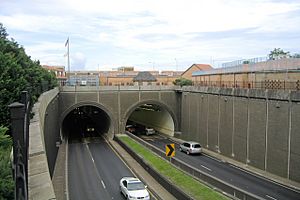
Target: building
(144,78)
(123,76)
(59,71)
(271,74)
(195,67)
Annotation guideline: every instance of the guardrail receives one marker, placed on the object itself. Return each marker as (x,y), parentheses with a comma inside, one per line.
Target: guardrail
(213,182)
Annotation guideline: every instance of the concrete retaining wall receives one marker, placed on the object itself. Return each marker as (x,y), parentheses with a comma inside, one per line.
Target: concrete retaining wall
(39,179)
(259,128)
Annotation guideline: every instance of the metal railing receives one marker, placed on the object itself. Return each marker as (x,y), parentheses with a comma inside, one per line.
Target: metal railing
(267,84)
(20,113)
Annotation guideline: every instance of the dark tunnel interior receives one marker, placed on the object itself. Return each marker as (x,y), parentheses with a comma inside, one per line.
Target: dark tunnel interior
(85,122)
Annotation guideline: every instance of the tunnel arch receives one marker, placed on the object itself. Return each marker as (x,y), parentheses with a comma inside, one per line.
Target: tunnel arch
(112,125)
(133,107)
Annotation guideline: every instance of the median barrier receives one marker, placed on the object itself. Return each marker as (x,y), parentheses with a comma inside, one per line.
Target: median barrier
(174,190)
(213,182)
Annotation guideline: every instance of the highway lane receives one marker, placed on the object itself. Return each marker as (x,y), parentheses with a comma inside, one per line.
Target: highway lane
(95,171)
(229,173)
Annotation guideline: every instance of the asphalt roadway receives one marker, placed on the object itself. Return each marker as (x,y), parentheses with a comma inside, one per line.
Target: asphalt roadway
(260,186)
(95,171)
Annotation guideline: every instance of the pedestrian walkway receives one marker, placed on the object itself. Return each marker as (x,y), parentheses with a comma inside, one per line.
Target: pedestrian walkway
(155,188)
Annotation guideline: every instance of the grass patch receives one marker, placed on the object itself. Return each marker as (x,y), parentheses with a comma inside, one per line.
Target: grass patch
(177,177)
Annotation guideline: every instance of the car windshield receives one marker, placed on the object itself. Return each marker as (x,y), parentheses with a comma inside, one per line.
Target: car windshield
(197,146)
(136,186)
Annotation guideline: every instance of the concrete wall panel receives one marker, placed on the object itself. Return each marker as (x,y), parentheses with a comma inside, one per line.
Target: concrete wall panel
(169,98)
(110,100)
(193,122)
(202,121)
(240,129)
(226,125)
(295,143)
(145,95)
(87,96)
(257,133)
(66,100)
(185,111)
(52,133)
(277,137)
(127,99)
(213,117)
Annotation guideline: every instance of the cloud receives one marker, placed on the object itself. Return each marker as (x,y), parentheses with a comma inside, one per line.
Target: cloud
(132,32)
(78,61)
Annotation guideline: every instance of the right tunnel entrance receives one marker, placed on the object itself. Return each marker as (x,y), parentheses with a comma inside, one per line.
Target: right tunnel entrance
(148,117)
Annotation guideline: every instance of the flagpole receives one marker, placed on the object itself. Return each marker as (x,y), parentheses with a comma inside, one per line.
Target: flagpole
(68,59)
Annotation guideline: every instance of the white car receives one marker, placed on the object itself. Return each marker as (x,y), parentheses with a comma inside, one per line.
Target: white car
(150,131)
(133,188)
(190,147)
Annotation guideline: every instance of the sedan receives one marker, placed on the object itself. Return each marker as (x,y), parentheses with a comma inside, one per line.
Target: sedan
(133,188)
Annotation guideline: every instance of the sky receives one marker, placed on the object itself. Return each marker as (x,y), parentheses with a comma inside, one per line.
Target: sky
(151,34)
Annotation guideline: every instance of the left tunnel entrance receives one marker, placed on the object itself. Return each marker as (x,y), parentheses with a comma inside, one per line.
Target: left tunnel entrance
(85,122)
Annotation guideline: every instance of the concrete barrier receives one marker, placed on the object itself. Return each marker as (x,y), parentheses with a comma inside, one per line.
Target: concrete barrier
(39,180)
(214,183)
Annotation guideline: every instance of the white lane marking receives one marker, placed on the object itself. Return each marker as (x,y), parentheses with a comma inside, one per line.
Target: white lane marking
(206,167)
(270,197)
(94,164)
(103,184)
(213,158)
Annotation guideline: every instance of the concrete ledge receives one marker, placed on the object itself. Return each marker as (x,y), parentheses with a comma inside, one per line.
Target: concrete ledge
(278,94)
(295,96)
(39,181)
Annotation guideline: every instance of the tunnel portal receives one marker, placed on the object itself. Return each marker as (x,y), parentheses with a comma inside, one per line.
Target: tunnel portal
(152,116)
(85,122)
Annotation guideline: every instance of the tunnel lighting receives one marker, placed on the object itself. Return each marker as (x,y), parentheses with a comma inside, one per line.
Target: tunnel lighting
(149,107)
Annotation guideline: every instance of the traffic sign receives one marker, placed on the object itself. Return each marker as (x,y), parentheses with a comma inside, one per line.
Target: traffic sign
(170,150)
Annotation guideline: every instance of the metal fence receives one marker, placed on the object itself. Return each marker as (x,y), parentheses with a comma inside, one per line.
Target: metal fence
(20,116)
(267,84)
(254,65)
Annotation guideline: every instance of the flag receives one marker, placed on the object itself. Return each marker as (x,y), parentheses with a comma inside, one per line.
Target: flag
(67,42)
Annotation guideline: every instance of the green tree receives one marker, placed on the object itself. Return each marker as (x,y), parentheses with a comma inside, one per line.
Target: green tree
(182,82)
(6,180)
(17,73)
(296,55)
(278,53)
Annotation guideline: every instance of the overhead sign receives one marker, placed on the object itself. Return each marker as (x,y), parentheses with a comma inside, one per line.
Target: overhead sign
(170,150)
